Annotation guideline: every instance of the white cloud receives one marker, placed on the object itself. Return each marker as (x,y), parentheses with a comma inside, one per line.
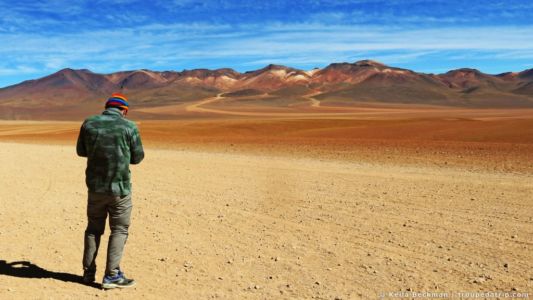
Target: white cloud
(7,71)
(160,45)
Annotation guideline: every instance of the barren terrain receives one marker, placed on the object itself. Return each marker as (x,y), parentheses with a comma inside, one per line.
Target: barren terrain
(301,206)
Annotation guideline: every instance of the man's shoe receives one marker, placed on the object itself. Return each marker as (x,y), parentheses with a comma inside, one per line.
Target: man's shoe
(89,276)
(117,281)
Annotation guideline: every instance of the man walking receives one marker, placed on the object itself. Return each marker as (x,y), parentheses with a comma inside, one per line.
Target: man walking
(111,143)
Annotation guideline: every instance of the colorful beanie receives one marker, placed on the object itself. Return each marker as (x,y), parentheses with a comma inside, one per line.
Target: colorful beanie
(117,100)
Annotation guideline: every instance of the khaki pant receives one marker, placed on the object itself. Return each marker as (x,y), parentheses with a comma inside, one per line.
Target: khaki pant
(119,210)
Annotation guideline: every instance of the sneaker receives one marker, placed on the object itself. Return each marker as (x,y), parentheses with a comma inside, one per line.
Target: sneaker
(117,281)
(89,276)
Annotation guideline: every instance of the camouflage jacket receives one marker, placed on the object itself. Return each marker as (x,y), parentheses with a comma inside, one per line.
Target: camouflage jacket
(110,143)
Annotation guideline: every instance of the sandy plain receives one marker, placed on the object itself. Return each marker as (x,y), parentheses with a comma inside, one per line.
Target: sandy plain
(344,207)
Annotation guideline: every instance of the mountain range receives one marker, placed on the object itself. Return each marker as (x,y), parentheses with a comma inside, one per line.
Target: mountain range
(365,81)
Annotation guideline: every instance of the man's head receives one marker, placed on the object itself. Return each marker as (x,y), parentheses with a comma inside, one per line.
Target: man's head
(119,101)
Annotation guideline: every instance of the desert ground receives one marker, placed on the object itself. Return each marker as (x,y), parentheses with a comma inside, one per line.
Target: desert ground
(274,206)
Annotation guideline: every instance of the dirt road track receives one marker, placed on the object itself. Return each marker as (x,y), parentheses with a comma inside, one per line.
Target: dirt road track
(198,107)
(241,226)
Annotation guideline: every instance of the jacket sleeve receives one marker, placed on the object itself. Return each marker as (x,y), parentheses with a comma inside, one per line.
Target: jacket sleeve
(80,146)
(136,147)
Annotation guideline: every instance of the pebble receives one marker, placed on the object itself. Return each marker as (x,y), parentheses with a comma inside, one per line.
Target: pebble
(187,264)
(481,279)
(478,280)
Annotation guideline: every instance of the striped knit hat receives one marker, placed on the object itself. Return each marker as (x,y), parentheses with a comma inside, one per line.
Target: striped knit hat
(117,100)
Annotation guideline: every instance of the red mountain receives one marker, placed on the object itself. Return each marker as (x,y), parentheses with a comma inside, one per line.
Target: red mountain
(349,83)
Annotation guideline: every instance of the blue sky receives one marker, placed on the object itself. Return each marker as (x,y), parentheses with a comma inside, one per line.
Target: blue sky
(39,37)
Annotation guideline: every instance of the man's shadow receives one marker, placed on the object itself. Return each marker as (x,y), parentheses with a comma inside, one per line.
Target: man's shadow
(25,269)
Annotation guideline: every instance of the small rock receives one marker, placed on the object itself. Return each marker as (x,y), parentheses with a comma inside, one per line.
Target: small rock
(317,283)
(187,264)
(480,280)
(506,265)
(257,287)
(514,236)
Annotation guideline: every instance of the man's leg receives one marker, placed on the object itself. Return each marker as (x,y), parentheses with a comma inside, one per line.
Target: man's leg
(119,220)
(96,215)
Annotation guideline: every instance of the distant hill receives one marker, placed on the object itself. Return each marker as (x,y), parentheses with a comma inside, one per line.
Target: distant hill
(71,91)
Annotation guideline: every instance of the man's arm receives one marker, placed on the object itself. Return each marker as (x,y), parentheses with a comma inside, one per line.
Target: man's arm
(80,146)
(136,147)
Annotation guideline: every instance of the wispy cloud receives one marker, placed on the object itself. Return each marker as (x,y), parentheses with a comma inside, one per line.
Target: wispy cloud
(292,43)
(7,71)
